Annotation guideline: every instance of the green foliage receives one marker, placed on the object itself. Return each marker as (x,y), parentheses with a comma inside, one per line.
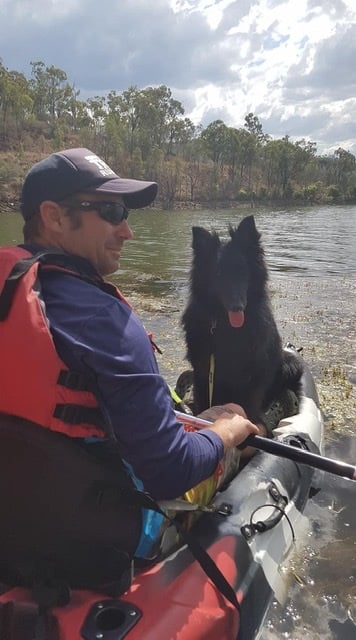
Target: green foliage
(334,193)
(145,133)
(242,195)
(313,193)
(352,195)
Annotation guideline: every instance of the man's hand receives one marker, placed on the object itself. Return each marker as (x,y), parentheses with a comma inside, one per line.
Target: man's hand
(230,423)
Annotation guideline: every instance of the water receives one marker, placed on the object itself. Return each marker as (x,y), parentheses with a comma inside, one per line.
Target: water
(321,602)
(296,242)
(311,255)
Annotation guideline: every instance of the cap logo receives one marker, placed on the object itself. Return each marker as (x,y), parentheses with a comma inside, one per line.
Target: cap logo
(101,165)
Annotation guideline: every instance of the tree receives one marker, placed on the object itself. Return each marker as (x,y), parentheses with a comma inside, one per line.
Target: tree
(254,127)
(51,92)
(215,137)
(344,167)
(278,154)
(129,105)
(170,181)
(97,112)
(303,161)
(161,116)
(15,102)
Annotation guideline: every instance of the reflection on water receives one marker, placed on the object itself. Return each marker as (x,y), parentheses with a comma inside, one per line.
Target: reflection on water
(312,262)
(319,241)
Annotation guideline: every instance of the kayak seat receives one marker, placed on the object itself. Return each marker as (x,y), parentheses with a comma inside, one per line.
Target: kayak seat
(67,517)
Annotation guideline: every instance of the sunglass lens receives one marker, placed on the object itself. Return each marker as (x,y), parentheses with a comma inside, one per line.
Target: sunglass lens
(113,212)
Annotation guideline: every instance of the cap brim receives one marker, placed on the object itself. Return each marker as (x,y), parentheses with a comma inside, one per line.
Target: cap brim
(136,193)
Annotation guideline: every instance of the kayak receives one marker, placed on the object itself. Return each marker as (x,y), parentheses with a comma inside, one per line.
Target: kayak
(249,533)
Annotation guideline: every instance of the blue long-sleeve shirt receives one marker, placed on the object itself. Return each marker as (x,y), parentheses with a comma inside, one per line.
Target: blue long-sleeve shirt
(102,337)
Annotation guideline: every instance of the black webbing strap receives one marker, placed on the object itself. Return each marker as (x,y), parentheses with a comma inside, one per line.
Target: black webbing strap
(75,381)
(200,555)
(209,566)
(77,414)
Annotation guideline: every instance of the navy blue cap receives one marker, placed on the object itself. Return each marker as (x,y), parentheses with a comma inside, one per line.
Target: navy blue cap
(71,171)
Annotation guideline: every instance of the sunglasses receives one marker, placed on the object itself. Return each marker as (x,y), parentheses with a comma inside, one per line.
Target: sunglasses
(112,212)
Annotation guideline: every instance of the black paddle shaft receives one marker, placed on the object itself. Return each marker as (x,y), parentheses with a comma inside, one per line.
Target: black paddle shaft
(301,455)
(282,449)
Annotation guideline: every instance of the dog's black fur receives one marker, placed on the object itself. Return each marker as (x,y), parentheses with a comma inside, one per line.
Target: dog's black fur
(229,280)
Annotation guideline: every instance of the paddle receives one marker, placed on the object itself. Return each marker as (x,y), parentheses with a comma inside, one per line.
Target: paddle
(283,450)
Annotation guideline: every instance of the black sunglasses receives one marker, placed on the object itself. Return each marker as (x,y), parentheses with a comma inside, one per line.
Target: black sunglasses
(112,212)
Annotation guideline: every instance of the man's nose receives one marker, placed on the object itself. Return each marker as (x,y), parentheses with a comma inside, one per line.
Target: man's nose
(123,230)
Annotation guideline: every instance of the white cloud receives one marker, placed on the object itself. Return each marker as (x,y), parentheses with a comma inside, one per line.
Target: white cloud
(291,62)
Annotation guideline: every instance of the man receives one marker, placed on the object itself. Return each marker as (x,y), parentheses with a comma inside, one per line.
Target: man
(75,206)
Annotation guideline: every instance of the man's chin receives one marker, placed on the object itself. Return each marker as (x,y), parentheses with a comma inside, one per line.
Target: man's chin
(109,267)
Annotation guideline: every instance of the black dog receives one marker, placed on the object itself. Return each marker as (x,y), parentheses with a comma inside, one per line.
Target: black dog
(231,335)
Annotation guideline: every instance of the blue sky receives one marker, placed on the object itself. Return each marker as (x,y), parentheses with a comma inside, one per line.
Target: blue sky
(291,62)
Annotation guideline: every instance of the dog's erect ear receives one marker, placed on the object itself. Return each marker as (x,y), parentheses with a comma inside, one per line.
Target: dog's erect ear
(246,231)
(203,240)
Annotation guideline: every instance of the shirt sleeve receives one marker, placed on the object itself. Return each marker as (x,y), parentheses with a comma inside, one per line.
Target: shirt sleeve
(101,336)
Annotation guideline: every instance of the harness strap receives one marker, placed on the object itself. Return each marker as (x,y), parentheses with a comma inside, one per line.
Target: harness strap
(211,378)
(200,555)
(211,365)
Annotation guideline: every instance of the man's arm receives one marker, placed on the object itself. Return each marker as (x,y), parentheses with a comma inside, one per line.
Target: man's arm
(101,337)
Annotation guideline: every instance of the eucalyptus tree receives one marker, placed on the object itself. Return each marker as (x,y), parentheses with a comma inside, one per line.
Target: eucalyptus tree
(279,161)
(15,105)
(78,116)
(129,106)
(193,154)
(215,138)
(96,110)
(249,153)
(345,170)
(51,92)
(304,166)
(160,117)
(254,127)
(114,131)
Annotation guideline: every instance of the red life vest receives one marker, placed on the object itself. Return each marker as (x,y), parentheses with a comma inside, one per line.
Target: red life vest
(35,384)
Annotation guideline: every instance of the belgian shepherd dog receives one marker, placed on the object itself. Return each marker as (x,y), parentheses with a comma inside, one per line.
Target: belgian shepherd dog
(231,335)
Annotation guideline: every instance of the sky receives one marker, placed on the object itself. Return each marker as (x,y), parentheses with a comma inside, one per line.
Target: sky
(292,63)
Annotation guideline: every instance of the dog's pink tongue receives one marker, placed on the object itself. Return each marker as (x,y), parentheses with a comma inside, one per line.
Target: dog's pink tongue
(236,318)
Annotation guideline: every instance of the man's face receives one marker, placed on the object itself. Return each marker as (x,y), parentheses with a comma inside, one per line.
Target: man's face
(95,239)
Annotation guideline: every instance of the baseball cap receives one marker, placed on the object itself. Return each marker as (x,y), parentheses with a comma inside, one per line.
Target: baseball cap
(67,172)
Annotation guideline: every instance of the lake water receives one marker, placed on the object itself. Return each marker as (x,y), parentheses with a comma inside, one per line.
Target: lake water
(311,255)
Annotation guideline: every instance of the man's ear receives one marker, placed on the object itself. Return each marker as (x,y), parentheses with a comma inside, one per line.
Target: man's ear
(51,215)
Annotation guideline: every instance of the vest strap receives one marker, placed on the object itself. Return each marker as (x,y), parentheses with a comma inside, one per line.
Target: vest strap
(75,381)
(76,414)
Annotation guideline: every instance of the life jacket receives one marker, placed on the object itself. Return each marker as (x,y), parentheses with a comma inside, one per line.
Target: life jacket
(35,383)
(69,507)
